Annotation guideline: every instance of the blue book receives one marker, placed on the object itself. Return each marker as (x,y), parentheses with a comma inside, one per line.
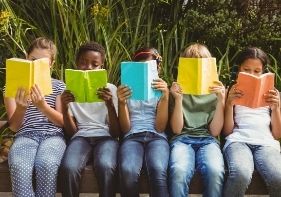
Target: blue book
(139,76)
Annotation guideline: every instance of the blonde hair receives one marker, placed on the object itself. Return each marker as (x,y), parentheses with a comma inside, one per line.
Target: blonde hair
(44,43)
(196,51)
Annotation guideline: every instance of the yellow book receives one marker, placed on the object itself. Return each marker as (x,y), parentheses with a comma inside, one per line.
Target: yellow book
(22,73)
(196,75)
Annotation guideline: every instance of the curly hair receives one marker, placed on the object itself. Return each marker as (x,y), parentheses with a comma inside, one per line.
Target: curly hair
(90,46)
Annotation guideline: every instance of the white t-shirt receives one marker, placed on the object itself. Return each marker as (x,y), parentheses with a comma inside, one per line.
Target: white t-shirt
(252,126)
(92,118)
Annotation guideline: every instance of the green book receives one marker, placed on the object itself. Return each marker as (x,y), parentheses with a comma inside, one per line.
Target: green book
(84,84)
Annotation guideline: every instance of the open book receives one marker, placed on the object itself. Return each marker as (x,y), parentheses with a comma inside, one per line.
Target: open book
(139,76)
(253,89)
(84,84)
(22,73)
(196,75)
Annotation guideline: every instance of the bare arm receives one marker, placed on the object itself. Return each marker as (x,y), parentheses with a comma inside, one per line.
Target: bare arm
(216,125)
(162,106)
(16,108)
(177,113)
(38,100)
(70,127)
(123,93)
(114,127)
(273,99)
(228,113)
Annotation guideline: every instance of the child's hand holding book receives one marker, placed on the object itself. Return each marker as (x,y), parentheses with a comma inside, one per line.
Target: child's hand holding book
(123,94)
(219,89)
(272,98)
(161,85)
(66,98)
(106,95)
(176,91)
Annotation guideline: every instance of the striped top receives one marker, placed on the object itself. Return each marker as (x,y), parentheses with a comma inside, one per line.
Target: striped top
(34,121)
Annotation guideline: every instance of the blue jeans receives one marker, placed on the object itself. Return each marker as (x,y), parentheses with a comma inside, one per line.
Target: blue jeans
(41,155)
(266,160)
(145,150)
(195,153)
(80,150)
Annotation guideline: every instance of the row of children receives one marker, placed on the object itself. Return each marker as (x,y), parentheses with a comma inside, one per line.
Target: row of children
(195,122)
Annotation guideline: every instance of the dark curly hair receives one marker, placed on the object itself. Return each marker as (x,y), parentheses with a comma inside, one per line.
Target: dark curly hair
(90,46)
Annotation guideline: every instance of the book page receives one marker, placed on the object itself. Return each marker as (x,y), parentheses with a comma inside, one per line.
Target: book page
(253,89)
(188,75)
(42,75)
(75,82)
(152,74)
(96,79)
(18,75)
(209,74)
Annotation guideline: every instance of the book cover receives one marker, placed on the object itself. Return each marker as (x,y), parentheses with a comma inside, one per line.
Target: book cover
(196,75)
(85,83)
(253,89)
(139,76)
(22,73)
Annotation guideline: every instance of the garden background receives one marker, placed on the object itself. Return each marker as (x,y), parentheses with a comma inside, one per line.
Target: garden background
(122,26)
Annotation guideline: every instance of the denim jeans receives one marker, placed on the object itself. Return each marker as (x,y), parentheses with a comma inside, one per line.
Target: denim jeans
(41,155)
(189,154)
(241,160)
(103,150)
(149,151)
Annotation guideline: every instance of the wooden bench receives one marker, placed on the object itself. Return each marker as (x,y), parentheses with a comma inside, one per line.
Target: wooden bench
(89,183)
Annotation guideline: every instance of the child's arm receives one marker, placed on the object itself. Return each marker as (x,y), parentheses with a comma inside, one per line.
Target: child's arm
(177,114)
(123,93)
(216,125)
(162,106)
(38,100)
(273,99)
(16,108)
(70,127)
(228,112)
(114,127)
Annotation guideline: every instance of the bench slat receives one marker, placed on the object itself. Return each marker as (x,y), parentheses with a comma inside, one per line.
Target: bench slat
(89,183)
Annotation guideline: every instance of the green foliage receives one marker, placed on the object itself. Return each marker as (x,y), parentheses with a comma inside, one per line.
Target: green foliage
(123,26)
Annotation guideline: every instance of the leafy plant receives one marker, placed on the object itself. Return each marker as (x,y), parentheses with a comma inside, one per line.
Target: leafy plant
(123,26)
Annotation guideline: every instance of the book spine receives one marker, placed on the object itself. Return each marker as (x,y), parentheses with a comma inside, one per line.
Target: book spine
(32,76)
(200,80)
(147,82)
(257,92)
(86,80)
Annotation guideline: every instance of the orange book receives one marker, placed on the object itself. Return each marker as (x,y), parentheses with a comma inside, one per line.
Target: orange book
(253,89)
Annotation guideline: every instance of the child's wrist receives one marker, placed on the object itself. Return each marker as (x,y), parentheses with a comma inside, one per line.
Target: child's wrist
(122,103)
(109,104)
(165,96)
